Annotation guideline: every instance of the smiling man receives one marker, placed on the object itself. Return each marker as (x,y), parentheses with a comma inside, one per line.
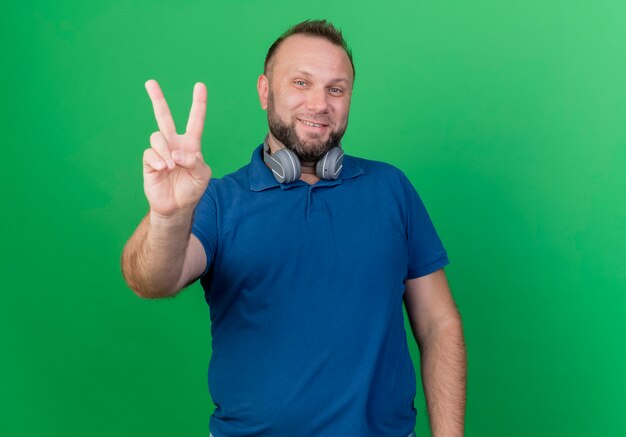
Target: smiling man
(306,255)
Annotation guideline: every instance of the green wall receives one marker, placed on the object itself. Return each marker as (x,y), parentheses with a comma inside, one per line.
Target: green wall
(509,118)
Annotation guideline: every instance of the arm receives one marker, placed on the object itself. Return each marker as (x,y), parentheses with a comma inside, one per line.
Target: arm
(436,325)
(162,256)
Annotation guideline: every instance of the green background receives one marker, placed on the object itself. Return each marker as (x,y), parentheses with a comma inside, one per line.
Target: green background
(508,117)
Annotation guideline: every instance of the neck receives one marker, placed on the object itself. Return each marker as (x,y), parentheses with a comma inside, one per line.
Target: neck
(274,144)
(307,168)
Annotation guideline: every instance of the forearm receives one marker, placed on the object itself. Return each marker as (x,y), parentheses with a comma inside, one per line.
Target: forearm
(153,258)
(444,377)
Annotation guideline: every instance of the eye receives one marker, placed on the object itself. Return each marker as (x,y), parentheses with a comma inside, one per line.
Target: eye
(336,91)
(300,83)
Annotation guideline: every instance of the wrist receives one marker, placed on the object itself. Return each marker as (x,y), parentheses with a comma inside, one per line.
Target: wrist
(171,224)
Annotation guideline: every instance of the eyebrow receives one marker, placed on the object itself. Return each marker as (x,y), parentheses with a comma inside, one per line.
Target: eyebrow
(338,79)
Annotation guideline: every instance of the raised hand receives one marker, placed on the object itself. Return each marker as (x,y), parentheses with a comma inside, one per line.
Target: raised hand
(174,172)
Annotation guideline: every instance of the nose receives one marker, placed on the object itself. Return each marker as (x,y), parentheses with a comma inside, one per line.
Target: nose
(317,100)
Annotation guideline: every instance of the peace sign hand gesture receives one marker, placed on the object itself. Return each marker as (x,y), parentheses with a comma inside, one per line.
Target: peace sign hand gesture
(174,172)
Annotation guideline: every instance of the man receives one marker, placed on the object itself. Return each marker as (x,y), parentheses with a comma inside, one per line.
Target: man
(305,256)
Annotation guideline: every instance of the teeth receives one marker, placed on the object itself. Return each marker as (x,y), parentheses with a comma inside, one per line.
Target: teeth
(311,124)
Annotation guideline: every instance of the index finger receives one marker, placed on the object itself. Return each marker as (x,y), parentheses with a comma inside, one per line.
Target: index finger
(161,110)
(195,124)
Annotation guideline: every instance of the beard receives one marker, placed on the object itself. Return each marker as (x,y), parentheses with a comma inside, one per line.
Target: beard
(310,149)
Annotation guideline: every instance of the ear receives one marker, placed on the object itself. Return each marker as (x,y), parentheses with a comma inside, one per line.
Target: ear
(263,87)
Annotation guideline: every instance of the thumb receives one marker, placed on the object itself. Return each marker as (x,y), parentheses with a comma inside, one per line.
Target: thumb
(193,163)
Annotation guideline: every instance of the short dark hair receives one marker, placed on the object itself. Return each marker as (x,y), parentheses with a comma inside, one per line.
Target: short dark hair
(316,28)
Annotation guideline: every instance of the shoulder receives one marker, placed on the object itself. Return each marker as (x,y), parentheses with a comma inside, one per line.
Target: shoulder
(236,180)
(379,170)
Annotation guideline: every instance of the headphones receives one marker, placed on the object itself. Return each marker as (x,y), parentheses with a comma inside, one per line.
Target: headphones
(285,165)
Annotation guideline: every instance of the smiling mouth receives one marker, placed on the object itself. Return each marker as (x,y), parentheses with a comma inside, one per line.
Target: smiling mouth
(312,124)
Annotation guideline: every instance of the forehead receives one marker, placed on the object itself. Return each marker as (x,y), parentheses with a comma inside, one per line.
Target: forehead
(314,55)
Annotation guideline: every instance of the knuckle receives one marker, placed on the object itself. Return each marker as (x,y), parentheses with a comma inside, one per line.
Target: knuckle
(161,151)
(158,140)
(151,158)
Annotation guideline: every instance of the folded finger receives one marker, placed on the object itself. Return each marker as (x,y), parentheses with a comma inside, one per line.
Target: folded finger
(185,160)
(152,161)
(193,162)
(161,147)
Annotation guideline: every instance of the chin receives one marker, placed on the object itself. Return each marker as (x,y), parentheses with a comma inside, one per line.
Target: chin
(311,139)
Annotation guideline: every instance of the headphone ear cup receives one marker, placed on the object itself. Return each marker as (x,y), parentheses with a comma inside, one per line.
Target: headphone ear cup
(329,167)
(286,166)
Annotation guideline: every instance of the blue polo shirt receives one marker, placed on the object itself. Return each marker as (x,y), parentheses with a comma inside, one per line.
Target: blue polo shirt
(304,285)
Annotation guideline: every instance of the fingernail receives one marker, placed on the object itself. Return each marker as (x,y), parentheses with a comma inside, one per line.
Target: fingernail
(170,164)
(177,155)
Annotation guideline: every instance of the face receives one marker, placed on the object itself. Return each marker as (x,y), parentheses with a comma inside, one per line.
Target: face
(307,95)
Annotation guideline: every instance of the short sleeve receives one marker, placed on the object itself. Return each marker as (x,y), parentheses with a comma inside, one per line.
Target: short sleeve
(204,225)
(426,252)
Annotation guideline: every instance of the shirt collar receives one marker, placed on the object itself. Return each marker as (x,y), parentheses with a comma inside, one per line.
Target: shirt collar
(262,178)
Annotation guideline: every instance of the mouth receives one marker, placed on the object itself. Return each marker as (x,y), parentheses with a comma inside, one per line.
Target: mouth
(313,125)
